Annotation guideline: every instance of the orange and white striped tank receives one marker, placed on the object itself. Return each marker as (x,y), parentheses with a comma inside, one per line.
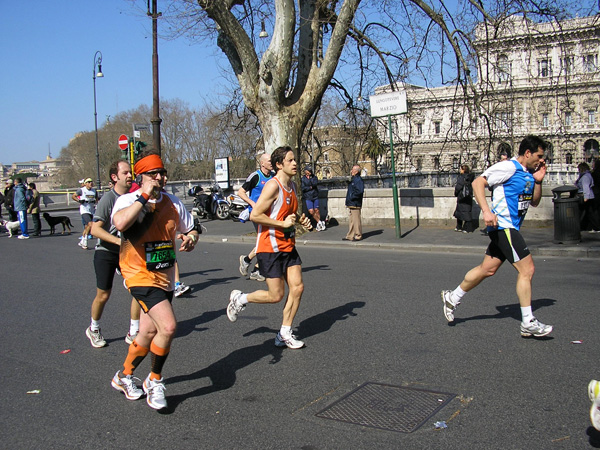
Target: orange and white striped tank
(272,239)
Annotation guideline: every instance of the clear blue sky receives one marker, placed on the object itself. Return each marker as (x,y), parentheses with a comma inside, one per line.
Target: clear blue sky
(47,52)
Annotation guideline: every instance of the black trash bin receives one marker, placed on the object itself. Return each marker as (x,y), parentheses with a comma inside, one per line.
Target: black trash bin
(566,215)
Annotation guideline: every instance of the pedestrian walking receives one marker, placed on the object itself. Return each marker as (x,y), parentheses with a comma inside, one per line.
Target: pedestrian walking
(589,220)
(354,199)
(34,210)
(516,184)
(463,191)
(310,195)
(275,212)
(250,192)
(150,220)
(9,200)
(106,256)
(21,205)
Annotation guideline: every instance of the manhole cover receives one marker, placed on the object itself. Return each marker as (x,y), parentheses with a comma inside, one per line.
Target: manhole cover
(393,408)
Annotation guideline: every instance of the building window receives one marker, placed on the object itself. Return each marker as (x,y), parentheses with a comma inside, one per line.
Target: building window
(568,119)
(545,120)
(590,63)
(474,125)
(503,120)
(566,65)
(456,125)
(419,164)
(473,163)
(436,163)
(455,163)
(503,69)
(326,157)
(569,158)
(591,117)
(419,129)
(544,68)
(437,126)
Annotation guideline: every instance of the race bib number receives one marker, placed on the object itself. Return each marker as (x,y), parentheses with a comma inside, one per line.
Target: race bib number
(91,198)
(524,202)
(159,255)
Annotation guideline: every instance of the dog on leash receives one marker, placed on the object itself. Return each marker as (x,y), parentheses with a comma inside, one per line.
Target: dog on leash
(12,227)
(53,221)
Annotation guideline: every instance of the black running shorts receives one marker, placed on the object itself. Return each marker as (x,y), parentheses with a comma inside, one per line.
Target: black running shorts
(105,264)
(507,245)
(148,296)
(274,265)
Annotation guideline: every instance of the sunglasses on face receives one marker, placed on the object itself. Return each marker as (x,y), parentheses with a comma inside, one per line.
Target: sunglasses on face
(153,173)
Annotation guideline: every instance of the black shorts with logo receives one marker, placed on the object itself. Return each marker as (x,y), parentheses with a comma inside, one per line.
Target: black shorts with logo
(274,265)
(148,296)
(507,244)
(105,264)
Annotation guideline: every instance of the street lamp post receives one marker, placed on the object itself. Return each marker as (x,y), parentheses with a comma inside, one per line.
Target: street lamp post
(99,74)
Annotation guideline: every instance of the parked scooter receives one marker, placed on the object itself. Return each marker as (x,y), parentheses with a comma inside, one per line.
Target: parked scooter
(209,206)
(236,206)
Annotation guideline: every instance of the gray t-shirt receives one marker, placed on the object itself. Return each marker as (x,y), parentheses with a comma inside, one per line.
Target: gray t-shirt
(102,214)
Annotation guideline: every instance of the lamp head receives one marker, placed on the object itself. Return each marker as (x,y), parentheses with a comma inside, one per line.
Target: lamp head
(263,33)
(99,74)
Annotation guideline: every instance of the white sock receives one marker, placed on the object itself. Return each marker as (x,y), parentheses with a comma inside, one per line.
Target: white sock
(134,327)
(457,294)
(526,313)
(243,299)
(285,331)
(95,325)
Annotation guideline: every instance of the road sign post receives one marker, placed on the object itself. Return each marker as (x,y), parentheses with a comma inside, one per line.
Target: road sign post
(391,104)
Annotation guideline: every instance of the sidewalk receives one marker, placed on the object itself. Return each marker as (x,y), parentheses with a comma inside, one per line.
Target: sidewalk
(414,238)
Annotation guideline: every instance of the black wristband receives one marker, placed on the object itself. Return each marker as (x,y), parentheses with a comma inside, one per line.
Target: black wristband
(142,200)
(538,182)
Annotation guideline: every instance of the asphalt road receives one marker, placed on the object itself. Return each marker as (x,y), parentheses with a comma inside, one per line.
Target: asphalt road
(366,316)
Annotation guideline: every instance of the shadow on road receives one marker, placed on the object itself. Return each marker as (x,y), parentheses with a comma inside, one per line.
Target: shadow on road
(222,373)
(504,311)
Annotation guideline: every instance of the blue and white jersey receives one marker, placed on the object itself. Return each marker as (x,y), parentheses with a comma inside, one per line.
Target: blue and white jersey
(512,191)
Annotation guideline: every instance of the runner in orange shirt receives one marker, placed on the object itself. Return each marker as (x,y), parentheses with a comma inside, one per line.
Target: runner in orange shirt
(150,220)
(278,260)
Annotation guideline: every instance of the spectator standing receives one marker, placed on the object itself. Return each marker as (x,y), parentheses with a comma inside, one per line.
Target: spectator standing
(310,194)
(9,200)
(463,191)
(589,215)
(354,199)
(20,205)
(34,210)
(87,198)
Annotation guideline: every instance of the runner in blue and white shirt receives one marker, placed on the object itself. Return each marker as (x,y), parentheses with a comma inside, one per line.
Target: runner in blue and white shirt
(516,184)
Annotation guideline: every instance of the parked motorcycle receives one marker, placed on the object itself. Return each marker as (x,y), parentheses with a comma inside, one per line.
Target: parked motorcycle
(209,206)
(236,206)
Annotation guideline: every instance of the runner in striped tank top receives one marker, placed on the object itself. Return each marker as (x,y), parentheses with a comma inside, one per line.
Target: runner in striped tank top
(278,259)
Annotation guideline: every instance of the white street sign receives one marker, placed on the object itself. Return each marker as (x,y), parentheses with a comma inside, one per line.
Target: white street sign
(388,104)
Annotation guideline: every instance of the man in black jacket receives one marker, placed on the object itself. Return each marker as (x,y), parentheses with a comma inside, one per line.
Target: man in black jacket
(354,198)
(310,194)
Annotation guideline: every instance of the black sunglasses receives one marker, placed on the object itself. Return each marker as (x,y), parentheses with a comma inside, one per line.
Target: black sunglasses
(153,173)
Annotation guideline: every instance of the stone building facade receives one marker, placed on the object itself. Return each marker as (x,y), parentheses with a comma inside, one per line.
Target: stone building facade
(533,78)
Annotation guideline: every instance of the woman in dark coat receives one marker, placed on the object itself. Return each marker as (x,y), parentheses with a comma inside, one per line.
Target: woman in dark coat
(463,191)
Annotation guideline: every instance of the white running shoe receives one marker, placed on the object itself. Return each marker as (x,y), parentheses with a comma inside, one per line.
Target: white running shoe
(130,338)
(256,276)
(127,386)
(594,395)
(535,328)
(234,307)
(181,288)
(244,266)
(288,341)
(155,393)
(95,338)
(449,305)
(22,236)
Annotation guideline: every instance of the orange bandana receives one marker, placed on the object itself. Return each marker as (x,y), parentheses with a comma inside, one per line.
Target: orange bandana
(150,162)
